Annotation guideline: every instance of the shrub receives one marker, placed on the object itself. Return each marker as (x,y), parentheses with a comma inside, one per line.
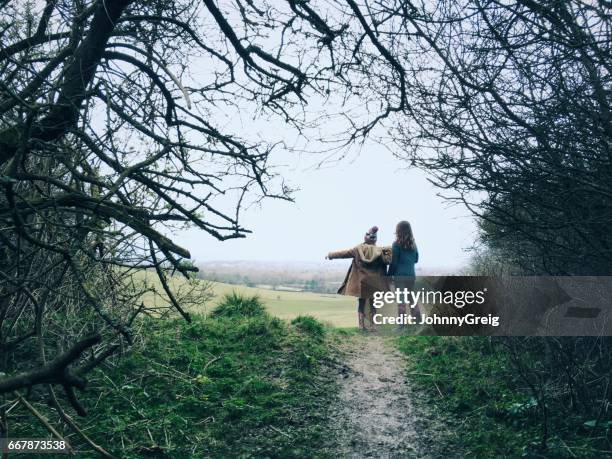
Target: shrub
(236,305)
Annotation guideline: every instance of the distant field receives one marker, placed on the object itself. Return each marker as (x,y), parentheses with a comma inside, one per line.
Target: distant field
(336,310)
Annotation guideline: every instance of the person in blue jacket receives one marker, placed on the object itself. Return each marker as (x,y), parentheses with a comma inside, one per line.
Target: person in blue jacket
(404,256)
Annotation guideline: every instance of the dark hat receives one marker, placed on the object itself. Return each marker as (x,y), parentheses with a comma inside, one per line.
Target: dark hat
(371,235)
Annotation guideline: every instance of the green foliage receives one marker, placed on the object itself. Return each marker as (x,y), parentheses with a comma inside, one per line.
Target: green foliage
(593,423)
(310,325)
(241,384)
(471,379)
(236,305)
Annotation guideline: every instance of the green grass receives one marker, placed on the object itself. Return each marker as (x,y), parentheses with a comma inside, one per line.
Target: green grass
(236,306)
(334,310)
(471,380)
(240,383)
(237,386)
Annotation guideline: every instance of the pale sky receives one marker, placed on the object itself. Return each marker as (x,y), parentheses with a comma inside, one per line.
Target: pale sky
(336,205)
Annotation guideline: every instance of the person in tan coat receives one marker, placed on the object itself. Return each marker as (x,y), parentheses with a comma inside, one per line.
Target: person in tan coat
(366,273)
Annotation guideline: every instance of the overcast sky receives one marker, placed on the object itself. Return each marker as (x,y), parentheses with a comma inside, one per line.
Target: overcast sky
(336,205)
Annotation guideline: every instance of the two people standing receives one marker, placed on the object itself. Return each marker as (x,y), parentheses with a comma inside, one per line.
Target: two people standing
(368,271)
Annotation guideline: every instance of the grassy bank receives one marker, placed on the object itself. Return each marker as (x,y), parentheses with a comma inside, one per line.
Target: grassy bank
(472,380)
(239,383)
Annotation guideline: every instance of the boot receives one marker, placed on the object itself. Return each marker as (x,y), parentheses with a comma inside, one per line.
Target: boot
(361,316)
(416,312)
(372,327)
(401,310)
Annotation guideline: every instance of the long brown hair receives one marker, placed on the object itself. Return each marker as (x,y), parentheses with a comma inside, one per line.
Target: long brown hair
(403,236)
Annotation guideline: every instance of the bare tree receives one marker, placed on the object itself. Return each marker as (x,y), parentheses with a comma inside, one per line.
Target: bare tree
(511,114)
(110,139)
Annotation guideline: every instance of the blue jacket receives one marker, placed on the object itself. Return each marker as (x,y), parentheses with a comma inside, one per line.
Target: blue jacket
(403,261)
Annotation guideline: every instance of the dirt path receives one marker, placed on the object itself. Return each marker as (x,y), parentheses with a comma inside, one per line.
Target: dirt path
(377,414)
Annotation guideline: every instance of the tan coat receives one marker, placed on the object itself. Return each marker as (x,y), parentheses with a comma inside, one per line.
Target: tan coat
(367,272)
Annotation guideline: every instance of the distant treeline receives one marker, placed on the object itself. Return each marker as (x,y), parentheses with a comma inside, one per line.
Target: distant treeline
(302,279)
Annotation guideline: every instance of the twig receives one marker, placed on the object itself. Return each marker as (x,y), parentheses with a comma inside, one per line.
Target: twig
(68,420)
(281,432)
(55,372)
(439,391)
(43,420)
(211,362)
(567,447)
